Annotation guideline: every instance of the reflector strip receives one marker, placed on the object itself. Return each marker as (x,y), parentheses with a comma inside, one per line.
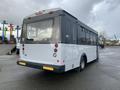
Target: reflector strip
(48,68)
(22,63)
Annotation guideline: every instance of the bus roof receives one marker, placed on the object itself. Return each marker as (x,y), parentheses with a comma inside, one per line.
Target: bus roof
(56,12)
(43,12)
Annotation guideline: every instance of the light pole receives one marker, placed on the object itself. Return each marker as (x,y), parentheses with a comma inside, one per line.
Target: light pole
(17,28)
(5,31)
(11,30)
(3,37)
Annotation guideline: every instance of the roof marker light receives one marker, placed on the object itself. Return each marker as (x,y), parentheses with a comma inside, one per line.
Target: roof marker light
(29,17)
(55,50)
(38,13)
(50,12)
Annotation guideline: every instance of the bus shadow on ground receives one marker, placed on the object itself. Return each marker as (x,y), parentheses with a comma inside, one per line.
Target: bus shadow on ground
(49,79)
(48,75)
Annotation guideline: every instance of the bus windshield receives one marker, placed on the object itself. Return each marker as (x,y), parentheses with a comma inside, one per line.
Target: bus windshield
(39,32)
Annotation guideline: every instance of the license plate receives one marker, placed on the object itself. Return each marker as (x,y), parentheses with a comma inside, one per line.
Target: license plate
(48,68)
(22,63)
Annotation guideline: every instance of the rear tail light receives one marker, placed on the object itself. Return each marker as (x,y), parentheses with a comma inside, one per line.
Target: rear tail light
(38,13)
(55,50)
(29,17)
(60,61)
(23,49)
(56,45)
(57,61)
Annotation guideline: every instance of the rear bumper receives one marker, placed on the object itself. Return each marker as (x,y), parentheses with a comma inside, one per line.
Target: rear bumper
(49,67)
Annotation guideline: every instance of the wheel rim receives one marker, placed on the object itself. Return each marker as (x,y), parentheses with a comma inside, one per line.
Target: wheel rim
(82,65)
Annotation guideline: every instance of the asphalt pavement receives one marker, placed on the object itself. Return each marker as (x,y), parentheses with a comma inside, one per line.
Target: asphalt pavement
(102,75)
(5,48)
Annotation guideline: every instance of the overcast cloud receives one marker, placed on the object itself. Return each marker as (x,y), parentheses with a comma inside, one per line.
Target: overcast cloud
(99,14)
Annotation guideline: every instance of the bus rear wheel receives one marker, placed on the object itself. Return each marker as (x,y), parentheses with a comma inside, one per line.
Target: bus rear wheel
(82,65)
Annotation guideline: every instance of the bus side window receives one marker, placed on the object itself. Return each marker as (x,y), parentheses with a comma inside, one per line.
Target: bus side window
(83,36)
(66,32)
(90,37)
(87,37)
(68,38)
(93,39)
(74,29)
(79,31)
(69,31)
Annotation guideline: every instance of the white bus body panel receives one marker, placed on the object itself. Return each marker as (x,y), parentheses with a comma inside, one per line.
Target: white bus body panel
(40,53)
(70,53)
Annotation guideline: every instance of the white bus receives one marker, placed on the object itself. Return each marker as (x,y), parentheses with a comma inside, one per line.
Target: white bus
(55,40)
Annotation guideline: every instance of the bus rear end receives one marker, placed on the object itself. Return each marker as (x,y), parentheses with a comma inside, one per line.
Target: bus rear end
(40,46)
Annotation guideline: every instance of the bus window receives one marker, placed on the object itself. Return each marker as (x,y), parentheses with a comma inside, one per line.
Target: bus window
(68,31)
(68,34)
(83,36)
(95,39)
(74,29)
(87,37)
(40,32)
(79,35)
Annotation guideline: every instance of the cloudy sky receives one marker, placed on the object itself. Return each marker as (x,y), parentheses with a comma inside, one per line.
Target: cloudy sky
(102,15)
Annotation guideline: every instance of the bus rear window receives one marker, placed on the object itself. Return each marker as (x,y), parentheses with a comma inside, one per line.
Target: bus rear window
(42,32)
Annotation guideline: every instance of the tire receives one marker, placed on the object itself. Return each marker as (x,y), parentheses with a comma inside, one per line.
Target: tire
(97,60)
(82,65)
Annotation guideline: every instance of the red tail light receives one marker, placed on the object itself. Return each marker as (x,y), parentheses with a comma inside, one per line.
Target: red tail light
(23,49)
(58,61)
(55,50)
(61,61)
(56,45)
